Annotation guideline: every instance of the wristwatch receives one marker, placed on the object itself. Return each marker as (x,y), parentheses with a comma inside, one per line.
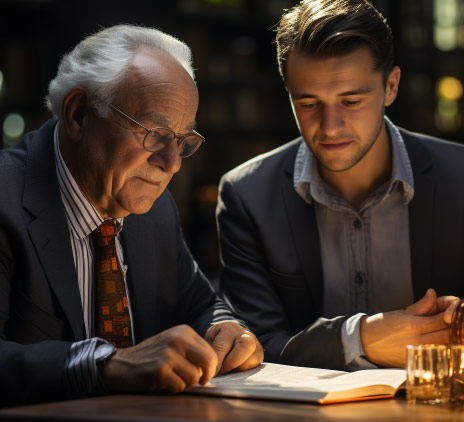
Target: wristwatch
(102,353)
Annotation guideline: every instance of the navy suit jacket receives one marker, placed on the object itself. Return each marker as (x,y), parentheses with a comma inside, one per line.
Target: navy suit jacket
(270,250)
(40,307)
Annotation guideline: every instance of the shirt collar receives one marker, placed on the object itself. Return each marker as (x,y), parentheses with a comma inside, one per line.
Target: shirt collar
(82,216)
(402,169)
(309,184)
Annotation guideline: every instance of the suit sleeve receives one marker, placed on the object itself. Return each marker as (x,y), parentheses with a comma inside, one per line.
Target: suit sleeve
(246,285)
(199,305)
(29,373)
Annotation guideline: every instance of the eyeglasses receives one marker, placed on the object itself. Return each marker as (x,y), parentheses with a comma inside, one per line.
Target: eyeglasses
(159,137)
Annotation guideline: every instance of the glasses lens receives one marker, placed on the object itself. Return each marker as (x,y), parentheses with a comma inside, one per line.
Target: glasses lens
(158,139)
(189,145)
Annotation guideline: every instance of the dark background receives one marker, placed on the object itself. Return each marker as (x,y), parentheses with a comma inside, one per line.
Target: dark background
(244,109)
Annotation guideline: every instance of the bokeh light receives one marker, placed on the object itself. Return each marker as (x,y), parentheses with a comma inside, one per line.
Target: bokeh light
(449,88)
(13,125)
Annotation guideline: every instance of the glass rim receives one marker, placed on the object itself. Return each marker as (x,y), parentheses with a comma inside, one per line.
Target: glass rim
(427,346)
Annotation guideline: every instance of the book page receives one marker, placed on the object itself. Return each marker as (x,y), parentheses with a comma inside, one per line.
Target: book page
(312,379)
(392,377)
(275,375)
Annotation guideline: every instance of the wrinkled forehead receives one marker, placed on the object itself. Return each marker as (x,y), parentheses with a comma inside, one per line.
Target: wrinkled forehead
(156,84)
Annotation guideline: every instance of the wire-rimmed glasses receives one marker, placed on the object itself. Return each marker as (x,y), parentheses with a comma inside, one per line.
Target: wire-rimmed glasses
(159,137)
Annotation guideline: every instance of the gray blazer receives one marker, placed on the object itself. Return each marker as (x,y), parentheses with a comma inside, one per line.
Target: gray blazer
(270,250)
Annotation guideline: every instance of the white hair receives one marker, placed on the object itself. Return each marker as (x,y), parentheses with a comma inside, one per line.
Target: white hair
(99,63)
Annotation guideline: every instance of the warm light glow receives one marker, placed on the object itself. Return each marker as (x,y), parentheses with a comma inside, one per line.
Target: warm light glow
(449,88)
(427,376)
(13,125)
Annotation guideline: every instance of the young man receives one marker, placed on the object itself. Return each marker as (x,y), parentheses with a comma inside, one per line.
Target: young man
(98,291)
(326,240)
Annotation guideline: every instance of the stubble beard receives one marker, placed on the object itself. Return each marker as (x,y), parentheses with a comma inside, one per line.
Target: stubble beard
(359,155)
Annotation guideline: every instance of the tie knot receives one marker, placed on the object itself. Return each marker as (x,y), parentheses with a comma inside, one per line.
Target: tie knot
(105,232)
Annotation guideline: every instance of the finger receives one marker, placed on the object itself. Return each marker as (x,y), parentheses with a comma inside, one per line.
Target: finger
(449,312)
(429,324)
(443,302)
(168,380)
(202,355)
(254,360)
(436,337)
(222,344)
(188,372)
(424,305)
(243,348)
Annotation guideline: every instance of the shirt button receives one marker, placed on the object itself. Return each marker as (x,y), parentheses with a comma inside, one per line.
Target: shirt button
(359,279)
(357,224)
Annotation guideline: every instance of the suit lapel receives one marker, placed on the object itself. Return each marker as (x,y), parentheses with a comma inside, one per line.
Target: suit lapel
(421,216)
(302,221)
(142,257)
(48,228)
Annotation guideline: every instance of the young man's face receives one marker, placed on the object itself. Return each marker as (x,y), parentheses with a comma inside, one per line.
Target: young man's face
(339,105)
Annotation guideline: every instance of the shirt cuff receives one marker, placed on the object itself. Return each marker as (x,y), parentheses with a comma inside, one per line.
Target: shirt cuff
(81,375)
(222,313)
(352,346)
(237,321)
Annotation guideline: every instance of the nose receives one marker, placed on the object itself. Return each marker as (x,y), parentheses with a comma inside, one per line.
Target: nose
(331,120)
(168,158)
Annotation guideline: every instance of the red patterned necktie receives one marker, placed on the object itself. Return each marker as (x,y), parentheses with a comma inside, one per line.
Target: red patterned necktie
(112,316)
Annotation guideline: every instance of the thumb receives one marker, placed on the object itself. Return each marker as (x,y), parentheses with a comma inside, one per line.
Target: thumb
(220,343)
(424,305)
(449,312)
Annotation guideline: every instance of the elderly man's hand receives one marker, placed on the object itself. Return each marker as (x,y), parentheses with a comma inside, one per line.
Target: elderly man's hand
(171,361)
(385,336)
(236,348)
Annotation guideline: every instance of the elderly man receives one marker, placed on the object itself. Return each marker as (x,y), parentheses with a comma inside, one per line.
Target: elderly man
(98,291)
(328,240)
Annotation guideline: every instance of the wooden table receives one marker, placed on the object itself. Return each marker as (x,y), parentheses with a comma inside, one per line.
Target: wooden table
(185,407)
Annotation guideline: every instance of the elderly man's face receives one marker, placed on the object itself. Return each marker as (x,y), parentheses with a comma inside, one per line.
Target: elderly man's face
(119,176)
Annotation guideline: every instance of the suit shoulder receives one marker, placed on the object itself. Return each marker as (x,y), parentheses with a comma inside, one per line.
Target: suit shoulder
(265,164)
(17,156)
(432,143)
(445,155)
(12,157)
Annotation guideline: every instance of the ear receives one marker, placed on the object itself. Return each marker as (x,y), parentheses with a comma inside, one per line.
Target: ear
(391,87)
(75,113)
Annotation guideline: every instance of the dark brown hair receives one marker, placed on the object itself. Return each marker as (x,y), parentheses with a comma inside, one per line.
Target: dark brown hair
(331,28)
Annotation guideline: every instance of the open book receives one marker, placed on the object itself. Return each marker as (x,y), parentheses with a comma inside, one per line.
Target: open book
(283,382)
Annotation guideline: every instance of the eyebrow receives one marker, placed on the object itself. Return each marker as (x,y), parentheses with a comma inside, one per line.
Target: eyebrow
(361,91)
